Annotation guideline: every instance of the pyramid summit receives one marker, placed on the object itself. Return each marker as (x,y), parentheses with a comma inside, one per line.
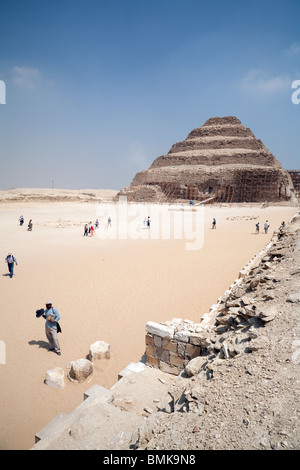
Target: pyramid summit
(221,161)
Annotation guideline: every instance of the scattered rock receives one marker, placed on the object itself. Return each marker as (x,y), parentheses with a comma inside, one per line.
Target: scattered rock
(80,370)
(262,342)
(99,350)
(294,298)
(55,378)
(195,365)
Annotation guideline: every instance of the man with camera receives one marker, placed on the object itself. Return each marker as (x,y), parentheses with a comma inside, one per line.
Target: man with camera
(51,327)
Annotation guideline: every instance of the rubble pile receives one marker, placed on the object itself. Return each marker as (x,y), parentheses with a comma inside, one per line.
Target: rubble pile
(242,391)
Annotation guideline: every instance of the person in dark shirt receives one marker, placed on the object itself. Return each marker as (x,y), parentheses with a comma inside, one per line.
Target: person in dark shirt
(11,260)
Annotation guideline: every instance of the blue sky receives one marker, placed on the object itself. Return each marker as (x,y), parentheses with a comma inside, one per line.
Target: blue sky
(97,89)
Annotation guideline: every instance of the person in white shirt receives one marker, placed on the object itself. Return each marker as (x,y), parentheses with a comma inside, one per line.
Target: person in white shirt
(266,226)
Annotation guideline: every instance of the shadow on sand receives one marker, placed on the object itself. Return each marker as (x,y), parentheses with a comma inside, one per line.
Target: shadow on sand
(40,344)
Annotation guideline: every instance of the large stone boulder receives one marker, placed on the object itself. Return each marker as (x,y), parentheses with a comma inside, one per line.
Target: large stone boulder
(99,350)
(80,370)
(195,365)
(55,377)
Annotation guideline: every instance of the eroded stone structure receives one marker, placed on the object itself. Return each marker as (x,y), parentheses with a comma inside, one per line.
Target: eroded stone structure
(221,161)
(295,176)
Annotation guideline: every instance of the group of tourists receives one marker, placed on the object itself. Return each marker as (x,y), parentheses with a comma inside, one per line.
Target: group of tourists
(30,224)
(90,227)
(266,227)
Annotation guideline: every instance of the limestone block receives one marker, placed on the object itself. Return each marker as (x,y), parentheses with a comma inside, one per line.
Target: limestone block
(152,361)
(181,349)
(157,341)
(99,350)
(149,339)
(169,368)
(195,365)
(150,349)
(198,339)
(183,336)
(170,345)
(101,393)
(175,360)
(80,370)
(132,367)
(162,354)
(160,330)
(192,351)
(55,377)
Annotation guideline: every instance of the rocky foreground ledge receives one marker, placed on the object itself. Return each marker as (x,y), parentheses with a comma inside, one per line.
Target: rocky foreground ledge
(240,393)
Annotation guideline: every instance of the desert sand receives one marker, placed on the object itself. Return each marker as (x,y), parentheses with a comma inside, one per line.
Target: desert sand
(104,288)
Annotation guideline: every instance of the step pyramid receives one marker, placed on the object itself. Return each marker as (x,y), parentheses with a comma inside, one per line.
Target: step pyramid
(221,161)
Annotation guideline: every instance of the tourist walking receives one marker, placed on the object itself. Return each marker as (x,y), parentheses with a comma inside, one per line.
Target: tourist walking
(92,230)
(96,224)
(257,228)
(21,220)
(148,221)
(109,222)
(51,327)
(266,226)
(30,225)
(11,260)
(86,230)
(214,224)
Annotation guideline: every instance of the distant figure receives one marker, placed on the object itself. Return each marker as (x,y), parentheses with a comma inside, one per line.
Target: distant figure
(30,225)
(92,230)
(266,226)
(148,222)
(214,224)
(11,260)
(145,222)
(281,231)
(21,220)
(86,230)
(90,224)
(96,224)
(109,222)
(257,228)
(51,327)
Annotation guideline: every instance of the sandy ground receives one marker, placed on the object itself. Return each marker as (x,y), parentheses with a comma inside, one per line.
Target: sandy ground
(104,289)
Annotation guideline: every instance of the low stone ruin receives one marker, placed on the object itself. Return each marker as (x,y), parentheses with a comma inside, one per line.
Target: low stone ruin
(170,346)
(235,323)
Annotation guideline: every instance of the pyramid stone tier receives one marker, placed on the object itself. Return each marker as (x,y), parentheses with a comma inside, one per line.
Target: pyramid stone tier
(221,161)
